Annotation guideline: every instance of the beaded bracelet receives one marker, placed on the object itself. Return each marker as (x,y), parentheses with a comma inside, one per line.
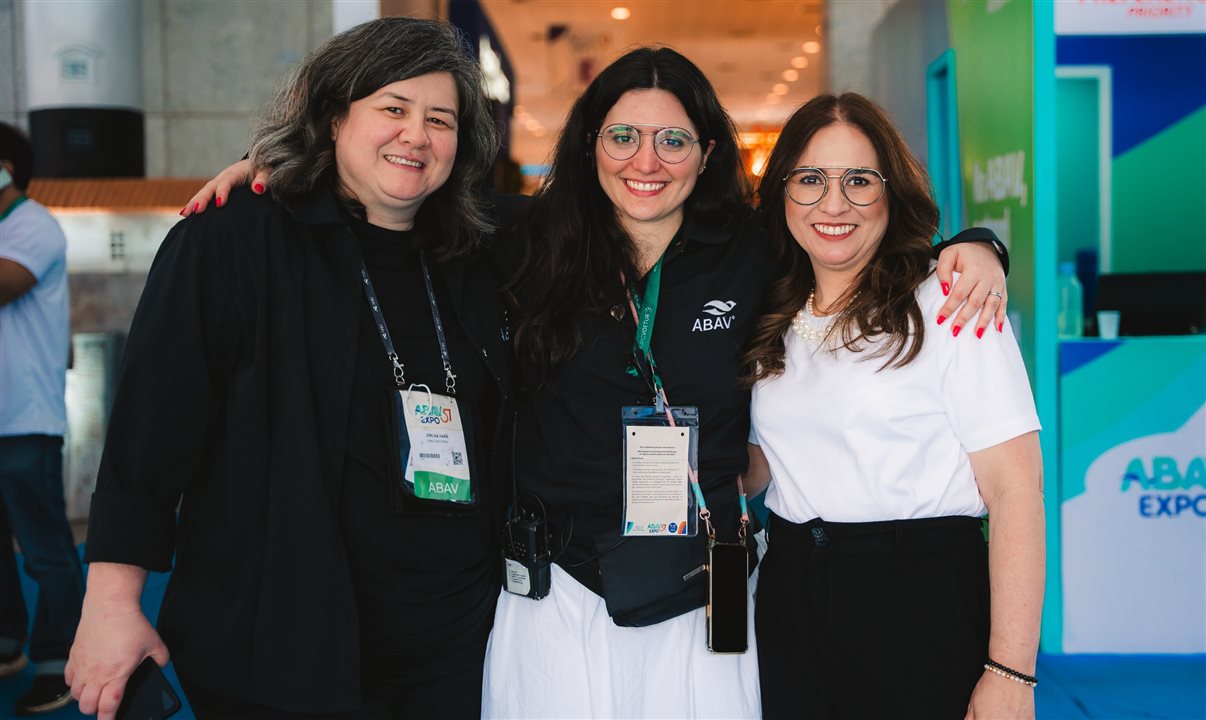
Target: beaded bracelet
(1006,672)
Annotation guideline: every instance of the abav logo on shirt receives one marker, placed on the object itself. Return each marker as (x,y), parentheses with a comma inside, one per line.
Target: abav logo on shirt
(721,316)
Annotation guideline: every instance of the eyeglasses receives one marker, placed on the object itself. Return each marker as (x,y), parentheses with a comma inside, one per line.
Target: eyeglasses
(861,186)
(672,144)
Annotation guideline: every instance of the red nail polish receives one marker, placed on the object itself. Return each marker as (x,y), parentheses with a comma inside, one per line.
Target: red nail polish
(946,289)
(197,207)
(218,202)
(979,333)
(955,330)
(258,188)
(941,319)
(184,210)
(1000,327)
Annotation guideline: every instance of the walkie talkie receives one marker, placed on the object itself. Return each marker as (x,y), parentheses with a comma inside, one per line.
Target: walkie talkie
(526,555)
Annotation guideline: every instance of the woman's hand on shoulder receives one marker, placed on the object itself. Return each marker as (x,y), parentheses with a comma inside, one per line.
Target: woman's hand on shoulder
(112,639)
(218,190)
(997,697)
(981,279)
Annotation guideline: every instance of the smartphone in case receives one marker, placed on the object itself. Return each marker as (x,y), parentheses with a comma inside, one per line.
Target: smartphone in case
(727,612)
(149,695)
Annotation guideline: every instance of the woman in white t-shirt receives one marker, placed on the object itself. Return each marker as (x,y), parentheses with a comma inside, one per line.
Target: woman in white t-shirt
(887,440)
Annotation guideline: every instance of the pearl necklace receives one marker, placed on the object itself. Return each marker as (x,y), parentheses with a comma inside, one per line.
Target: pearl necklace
(809,326)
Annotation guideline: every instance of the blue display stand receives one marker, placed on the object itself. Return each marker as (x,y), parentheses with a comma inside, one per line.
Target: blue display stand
(1132,489)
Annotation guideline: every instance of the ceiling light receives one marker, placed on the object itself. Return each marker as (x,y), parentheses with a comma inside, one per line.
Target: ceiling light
(817,30)
(779,89)
(759,162)
(812,47)
(791,75)
(799,62)
(620,13)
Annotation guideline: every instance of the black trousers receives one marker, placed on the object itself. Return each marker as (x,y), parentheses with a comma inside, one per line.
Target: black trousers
(872,620)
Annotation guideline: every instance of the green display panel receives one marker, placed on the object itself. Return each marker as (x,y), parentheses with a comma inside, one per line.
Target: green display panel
(994,48)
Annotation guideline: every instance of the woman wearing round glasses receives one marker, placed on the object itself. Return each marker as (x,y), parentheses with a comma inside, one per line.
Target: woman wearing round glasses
(645,199)
(646,191)
(887,440)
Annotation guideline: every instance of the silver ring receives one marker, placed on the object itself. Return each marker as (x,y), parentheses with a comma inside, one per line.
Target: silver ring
(994,292)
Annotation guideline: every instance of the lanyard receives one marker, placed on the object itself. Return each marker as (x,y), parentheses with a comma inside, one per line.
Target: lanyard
(644,310)
(387,341)
(9,210)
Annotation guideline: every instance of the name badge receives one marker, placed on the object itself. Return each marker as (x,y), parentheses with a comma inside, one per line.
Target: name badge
(438,465)
(658,460)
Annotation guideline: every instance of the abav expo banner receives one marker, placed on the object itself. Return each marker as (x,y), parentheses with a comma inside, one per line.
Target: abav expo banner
(1133,482)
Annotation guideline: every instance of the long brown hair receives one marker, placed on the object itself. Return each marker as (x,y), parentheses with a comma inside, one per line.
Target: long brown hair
(882,299)
(575,248)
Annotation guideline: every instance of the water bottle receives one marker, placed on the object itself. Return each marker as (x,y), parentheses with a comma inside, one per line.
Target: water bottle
(1071,303)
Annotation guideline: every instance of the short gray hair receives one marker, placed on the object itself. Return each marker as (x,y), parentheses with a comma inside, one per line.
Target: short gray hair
(293,138)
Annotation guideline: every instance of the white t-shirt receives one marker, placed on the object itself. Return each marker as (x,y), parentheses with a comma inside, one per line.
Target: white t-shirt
(34,327)
(849,444)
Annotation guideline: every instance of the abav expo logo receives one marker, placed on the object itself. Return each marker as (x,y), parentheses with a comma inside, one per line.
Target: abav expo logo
(1166,489)
(1164,475)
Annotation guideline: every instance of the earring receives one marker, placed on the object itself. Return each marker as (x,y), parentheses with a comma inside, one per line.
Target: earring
(702,168)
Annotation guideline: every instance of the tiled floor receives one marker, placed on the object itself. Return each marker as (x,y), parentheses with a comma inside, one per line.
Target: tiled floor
(1111,687)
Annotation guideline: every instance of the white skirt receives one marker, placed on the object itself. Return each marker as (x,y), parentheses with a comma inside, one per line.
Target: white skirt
(563,657)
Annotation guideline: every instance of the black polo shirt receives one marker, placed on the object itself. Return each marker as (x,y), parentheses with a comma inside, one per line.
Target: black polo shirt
(569,446)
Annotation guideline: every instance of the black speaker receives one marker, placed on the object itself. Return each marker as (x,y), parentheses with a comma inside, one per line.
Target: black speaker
(87,142)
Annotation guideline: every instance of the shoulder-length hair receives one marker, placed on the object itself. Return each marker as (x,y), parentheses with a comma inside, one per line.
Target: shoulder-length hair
(293,138)
(576,247)
(882,305)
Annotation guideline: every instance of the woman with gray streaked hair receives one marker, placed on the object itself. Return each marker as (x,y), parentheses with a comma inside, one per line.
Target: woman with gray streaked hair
(316,380)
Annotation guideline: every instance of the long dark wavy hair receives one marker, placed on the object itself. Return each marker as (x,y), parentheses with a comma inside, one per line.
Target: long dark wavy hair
(293,138)
(575,247)
(882,305)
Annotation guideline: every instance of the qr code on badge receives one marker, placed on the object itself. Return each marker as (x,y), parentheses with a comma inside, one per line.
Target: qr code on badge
(458,458)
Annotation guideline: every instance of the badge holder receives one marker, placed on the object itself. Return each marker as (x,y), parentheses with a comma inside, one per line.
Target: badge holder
(659,471)
(430,434)
(661,456)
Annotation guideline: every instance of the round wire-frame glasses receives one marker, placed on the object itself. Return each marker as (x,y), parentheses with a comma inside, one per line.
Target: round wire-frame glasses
(808,185)
(622,140)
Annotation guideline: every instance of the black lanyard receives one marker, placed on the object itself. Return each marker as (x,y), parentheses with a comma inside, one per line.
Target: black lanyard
(383,330)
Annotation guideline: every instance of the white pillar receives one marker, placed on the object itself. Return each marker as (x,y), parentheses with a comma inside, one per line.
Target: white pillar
(83,64)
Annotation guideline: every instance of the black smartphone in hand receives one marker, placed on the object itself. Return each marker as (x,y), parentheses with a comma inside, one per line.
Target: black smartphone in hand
(149,695)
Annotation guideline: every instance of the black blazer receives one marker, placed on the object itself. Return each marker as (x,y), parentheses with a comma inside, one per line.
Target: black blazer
(232,403)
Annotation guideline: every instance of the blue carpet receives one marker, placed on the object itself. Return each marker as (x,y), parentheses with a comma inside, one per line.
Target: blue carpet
(13,687)
(1107,687)
(1122,686)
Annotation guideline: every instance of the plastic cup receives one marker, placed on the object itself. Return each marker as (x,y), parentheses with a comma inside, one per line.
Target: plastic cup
(1107,324)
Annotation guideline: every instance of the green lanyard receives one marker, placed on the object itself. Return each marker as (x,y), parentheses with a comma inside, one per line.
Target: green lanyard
(645,309)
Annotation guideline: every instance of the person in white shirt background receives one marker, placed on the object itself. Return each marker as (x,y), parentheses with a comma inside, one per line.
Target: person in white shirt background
(887,438)
(33,417)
